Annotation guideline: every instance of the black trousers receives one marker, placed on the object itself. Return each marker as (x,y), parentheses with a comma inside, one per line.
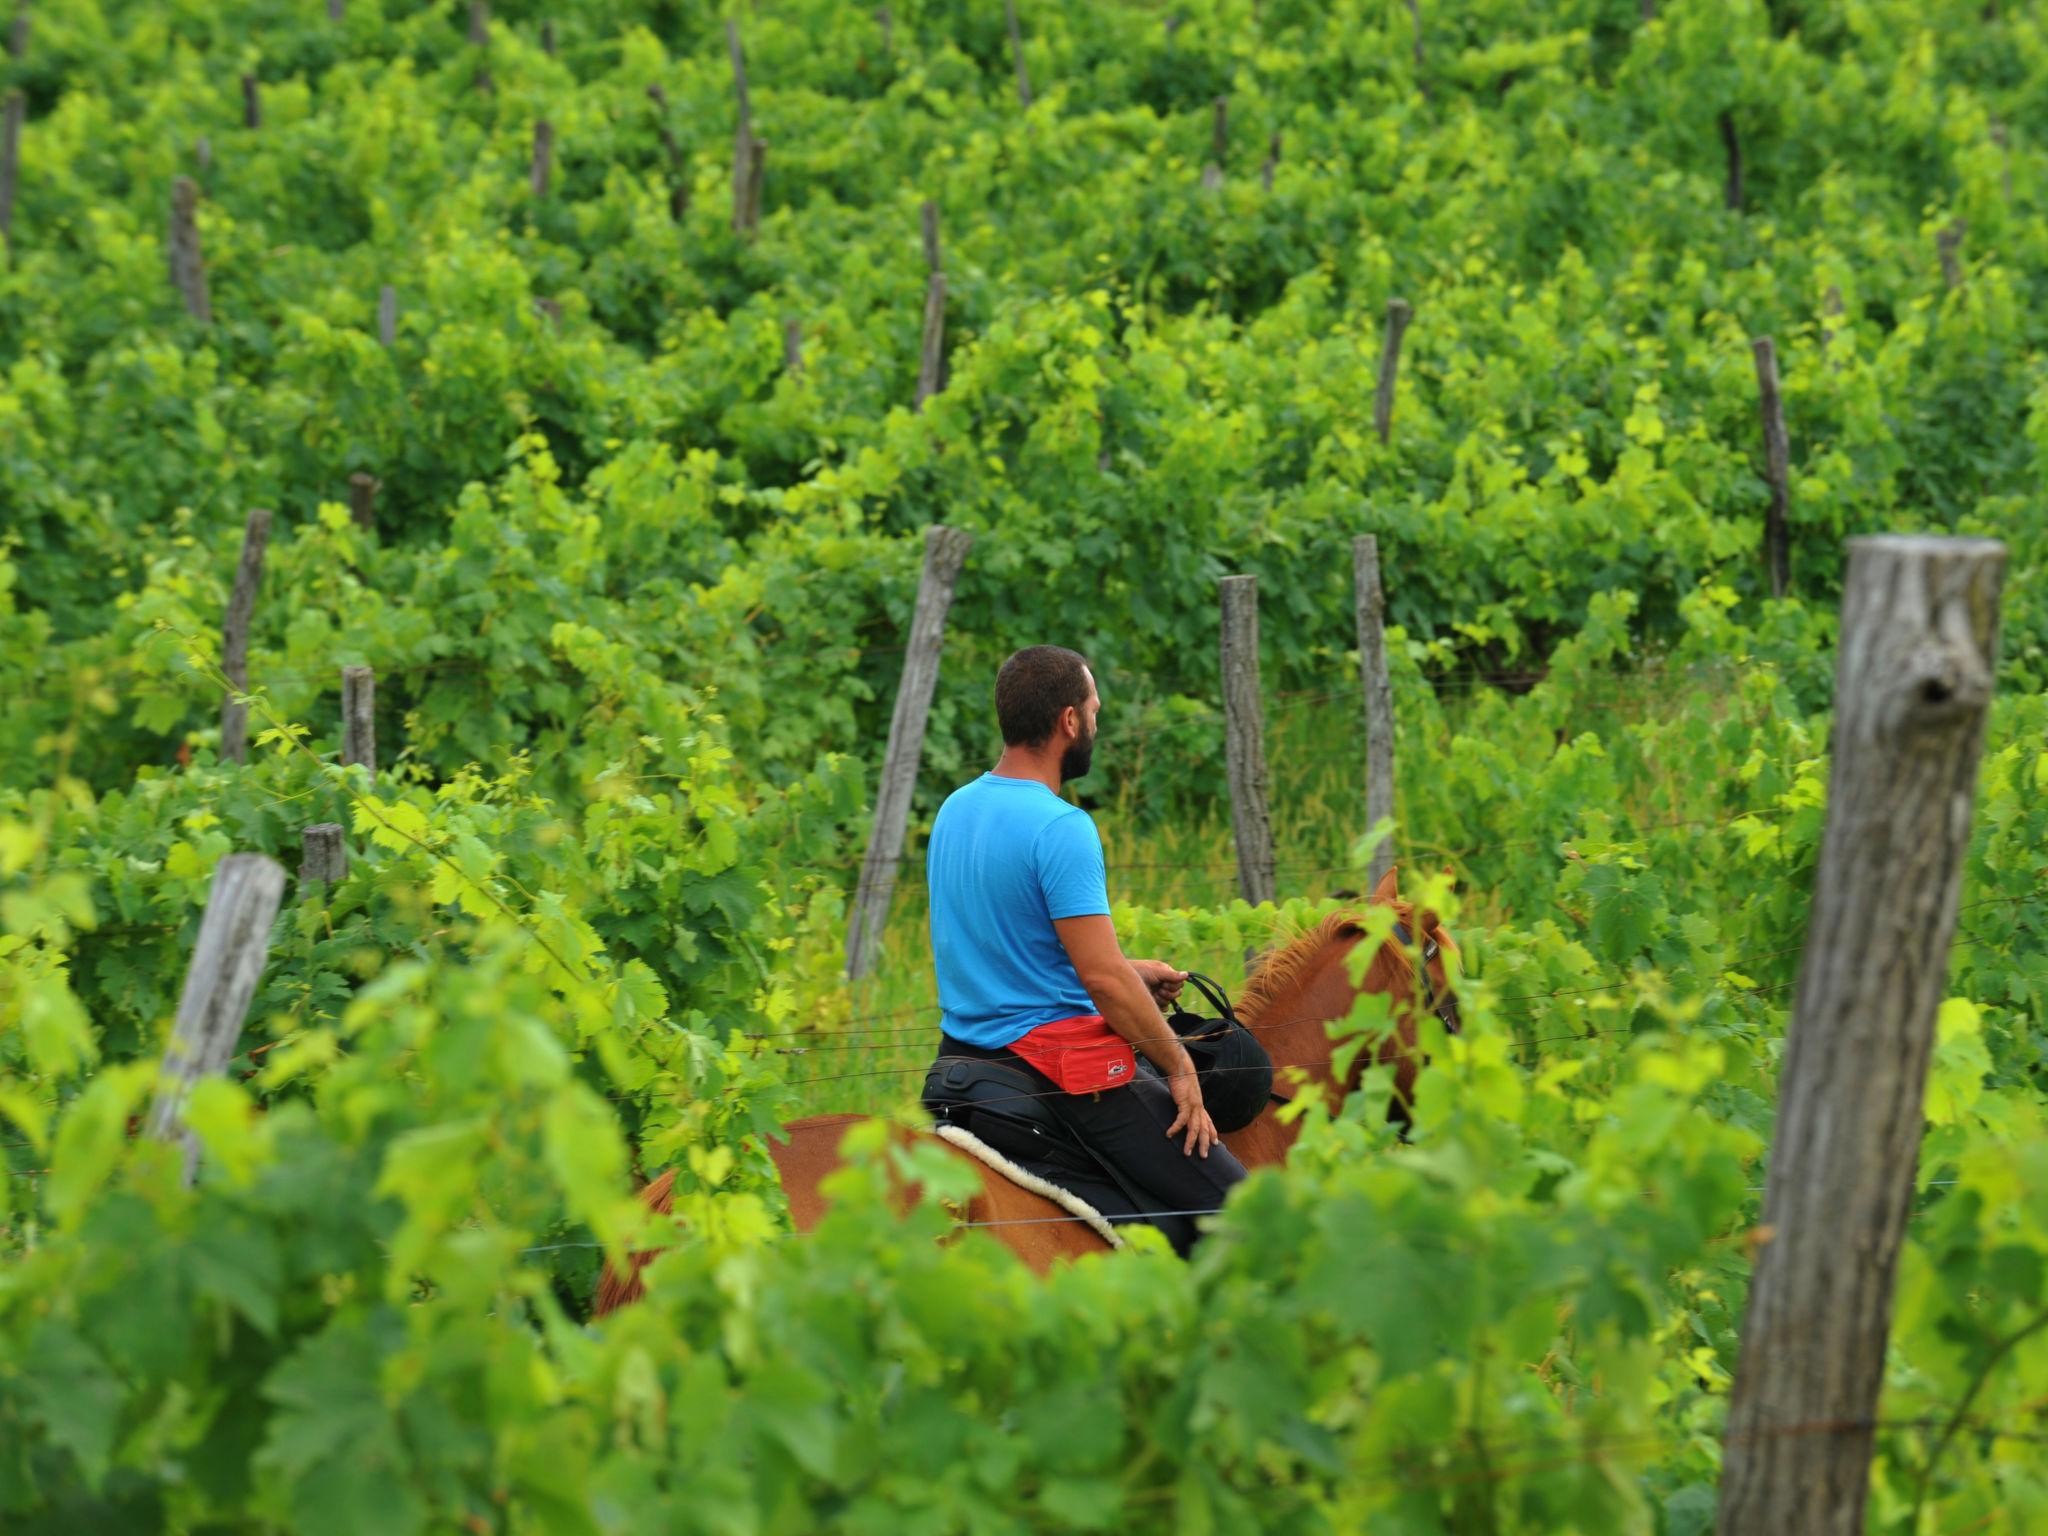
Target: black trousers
(1125,1127)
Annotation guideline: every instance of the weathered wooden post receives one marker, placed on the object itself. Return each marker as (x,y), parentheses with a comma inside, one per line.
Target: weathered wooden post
(362,500)
(678,164)
(1399,313)
(1777,467)
(1219,146)
(1379,697)
(928,222)
(188,266)
(387,314)
(931,357)
(1732,143)
(1913,681)
(792,345)
(324,860)
(234,637)
(252,102)
(945,551)
(480,39)
(1948,243)
(1272,164)
(227,962)
(1244,736)
(748,152)
(543,156)
(1415,18)
(18,34)
(11,115)
(1017,52)
(547,38)
(359,717)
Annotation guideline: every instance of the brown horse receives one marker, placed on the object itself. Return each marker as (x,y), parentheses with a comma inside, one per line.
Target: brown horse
(1295,990)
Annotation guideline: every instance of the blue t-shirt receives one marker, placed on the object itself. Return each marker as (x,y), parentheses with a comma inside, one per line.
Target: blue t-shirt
(1008,856)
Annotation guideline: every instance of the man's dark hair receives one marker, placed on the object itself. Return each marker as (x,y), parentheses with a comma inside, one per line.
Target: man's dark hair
(1033,687)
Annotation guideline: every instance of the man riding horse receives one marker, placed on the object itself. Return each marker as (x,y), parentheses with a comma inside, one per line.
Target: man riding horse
(1054,1050)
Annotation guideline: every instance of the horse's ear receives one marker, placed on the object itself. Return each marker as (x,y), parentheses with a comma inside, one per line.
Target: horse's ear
(1387,890)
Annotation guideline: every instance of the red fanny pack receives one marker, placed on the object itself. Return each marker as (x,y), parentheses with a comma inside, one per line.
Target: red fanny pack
(1082,1054)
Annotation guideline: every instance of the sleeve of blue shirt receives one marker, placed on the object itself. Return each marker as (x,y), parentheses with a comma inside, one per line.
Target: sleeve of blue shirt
(1070,871)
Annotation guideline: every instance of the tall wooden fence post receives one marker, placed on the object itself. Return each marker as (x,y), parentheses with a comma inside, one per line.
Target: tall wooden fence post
(325,857)
(1777,467)
(1017,52)
(543,156)
(387,315)
(1272,164)
(234,940)
(1913,682)
(748,152)
(234,636)
(931,356)
(362,500)
(1244,733)
(18,34)
(1399,313)
(359,717)
(1379,697)
(252,102)
(188,266)
(11,115)
(1219,147)
(945,551)
(928,224)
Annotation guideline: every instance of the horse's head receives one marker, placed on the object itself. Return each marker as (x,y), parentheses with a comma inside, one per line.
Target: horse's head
(1394,969)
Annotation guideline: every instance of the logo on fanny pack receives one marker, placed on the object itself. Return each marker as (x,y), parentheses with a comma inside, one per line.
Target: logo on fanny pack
(1117,1069)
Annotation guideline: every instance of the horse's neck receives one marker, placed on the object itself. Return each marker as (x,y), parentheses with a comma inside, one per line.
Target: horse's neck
(1291,1027)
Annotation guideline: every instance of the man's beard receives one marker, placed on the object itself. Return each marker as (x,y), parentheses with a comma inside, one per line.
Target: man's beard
(1075,759)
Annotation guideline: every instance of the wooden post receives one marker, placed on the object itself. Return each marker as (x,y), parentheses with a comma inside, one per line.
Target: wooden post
(1913,682)
(928,218)
(227,962)
(1017,52)
(387,314)
(359,717)
(325,857)
(931,359)
(1415,17)
(1733,145)
(18,34)
(1399,313)
(1948,241)
(1379,696)
(252,102)
(234,637)
(11,115)
(743,131)
(1219,144)
(362,500)
(945,551)
(543,156)
(547,38)
(1244,732)
(336,9)
(480,23)
(1272,164)
(1777,467)
(793,345)
(188,266)
(757,176)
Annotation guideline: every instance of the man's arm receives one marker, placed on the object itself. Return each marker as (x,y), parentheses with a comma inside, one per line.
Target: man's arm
(1127,1006)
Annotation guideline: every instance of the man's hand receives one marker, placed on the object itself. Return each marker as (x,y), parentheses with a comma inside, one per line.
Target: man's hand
(1161,979)
(1187,1101)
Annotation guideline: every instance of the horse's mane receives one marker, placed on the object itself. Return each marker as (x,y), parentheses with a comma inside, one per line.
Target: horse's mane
(1280,969)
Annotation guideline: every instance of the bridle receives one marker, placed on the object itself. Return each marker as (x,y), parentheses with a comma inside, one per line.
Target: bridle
(1445,1007)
